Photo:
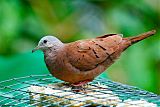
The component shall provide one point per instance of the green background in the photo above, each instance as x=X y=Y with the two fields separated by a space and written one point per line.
x=24 y=22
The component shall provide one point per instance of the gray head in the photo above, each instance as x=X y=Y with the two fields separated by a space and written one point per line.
x=48 y=42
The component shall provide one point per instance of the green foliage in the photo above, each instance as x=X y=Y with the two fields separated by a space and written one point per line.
x=24 y=22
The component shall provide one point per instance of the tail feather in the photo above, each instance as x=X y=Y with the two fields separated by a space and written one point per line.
x=141 y=36
x=127 y=42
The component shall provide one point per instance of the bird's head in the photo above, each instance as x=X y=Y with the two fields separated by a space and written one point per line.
x=48 y=42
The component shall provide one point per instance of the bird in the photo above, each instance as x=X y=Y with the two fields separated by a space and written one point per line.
x=81 y=61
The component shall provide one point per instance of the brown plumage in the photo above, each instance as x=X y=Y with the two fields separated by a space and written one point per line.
x=81 y=61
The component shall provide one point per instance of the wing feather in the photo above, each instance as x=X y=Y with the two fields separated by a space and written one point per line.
x=88 y=54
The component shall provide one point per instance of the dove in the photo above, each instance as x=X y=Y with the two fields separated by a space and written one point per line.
x=81 y=61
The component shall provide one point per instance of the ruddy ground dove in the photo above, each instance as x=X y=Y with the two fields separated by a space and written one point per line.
x=81 y=61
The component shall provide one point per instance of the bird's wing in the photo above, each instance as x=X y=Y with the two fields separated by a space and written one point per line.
x=88 y=54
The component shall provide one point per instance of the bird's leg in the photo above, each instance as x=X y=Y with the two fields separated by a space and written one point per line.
x=81 y=83
x=79 y=86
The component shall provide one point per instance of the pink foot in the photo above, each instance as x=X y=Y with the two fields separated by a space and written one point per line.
x=81 y=83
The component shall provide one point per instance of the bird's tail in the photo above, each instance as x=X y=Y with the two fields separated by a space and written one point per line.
x=131 y=40
x=141 y=36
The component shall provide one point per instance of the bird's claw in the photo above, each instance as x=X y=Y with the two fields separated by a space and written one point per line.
x=79 y=89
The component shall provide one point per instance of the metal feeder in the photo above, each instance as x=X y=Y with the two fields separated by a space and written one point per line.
x=46 y=91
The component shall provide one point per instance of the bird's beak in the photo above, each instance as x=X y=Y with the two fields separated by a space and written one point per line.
x=35 y=49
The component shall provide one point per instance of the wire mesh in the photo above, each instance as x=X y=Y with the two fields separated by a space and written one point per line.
x=16 y=92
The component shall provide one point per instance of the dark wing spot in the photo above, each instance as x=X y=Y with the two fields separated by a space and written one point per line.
x=101 y=47
x=95 y=53
x=107 y=53
x=93 y=41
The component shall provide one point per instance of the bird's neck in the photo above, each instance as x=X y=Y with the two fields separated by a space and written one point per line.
x=52 y=51
x=50 y=56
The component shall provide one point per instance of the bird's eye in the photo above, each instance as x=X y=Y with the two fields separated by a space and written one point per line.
x=45 y=41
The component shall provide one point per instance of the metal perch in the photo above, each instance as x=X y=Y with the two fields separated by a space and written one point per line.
x=45 y=90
